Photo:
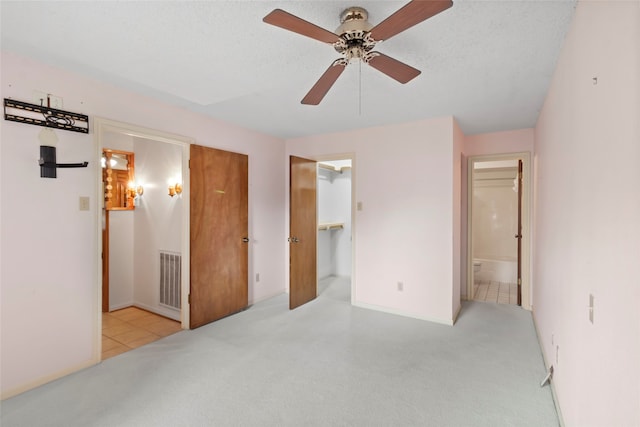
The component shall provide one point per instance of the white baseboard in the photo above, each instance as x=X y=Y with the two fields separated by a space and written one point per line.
x=402 y=313
x=171 y=314
x=120 y=306
x=457 y=313
x=47 y=379
x=554 y=395
x=268 y=296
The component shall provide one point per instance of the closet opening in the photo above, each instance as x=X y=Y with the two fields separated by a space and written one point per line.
x=334 y=240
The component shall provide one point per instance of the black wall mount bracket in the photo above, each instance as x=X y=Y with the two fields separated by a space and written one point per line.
x=48 y=165
x=23 y=112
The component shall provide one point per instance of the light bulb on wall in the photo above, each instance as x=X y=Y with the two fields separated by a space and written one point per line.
x=175 y=189
x=134 y=191
x=103 y=162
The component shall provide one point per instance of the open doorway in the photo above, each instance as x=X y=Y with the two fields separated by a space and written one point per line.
x=335 y=229
x=498 y=255
x=145 y=243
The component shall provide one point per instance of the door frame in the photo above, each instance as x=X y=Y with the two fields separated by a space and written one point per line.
x=526 y=220
x=333 y=157
x=101 y=126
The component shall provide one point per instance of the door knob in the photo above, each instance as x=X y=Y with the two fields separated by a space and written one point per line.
x=245 y=239
x=293 y=240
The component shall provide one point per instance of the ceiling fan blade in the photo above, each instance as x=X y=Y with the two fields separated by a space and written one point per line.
x=393 y=68
x=322 y=86
x=282 y=19
x=407 y=16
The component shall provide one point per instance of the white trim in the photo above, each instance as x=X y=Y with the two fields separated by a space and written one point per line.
x=268 y=296
x=100 y=126
x=121 y=306
x=169 y=313
x=456 y=314
x=48 y=378
x=552 y=384
x=374 y=307
x=526 y=221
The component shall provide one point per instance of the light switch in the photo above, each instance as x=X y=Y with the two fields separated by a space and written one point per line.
x=84 y=203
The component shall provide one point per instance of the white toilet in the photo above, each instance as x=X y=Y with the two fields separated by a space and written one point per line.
x=477 y=266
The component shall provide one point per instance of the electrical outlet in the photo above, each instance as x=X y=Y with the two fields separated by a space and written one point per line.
x=400 y=286
x=557 y=351
x=359 y=206
x=84 y=203
x=257 y=277
x=591 y=308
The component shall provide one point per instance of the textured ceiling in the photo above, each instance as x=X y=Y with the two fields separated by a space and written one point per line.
x=488 y=63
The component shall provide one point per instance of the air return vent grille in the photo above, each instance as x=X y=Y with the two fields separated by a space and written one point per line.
x=170 y=274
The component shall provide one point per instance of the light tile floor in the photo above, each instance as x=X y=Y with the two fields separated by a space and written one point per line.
x=131 y=327
x=491 y=291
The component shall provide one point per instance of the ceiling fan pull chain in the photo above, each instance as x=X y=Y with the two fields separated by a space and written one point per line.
x=359 y=88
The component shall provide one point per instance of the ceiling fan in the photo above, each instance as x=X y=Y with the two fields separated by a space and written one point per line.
x=355 y=39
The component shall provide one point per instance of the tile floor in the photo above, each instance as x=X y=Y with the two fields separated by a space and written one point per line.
x=131 y=327
x=491 y=291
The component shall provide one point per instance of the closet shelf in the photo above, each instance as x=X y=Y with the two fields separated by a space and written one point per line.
x=333 y=168
x=330 y=225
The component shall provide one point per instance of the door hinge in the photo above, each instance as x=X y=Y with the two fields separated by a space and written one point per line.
x=189 y=298
x=519 y=282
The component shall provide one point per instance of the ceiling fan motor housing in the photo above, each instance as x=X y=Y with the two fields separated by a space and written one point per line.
x=355 y=41
x=354 y=19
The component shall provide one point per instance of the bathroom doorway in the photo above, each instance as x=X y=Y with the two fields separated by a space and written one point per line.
x=335 y=215
x=154 y=222
x=498 y=250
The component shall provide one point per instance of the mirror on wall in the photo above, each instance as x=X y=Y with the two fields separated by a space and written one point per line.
x=118 y=176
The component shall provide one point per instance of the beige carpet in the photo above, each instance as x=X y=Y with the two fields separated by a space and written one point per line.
x=324 y=364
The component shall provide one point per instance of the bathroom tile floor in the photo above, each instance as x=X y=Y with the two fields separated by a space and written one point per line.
x=499 y=292
x=131 y=327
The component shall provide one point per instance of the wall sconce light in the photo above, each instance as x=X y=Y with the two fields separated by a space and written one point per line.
x=175 y=189
x=134 y=191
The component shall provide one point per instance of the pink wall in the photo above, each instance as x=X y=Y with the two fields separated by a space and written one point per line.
x=587 y=218
x=511 y=141
x=49 y=248
x=404 y=178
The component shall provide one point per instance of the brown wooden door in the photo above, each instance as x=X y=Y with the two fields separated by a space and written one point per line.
x=303 y=231
x=519 y=235
x=219 y=234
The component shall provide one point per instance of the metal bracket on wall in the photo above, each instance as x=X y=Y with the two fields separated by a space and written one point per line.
x=48 y=165
x=23 y=112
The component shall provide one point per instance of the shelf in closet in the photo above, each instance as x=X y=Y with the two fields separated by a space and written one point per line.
x=330 y=225
x=333 y=168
